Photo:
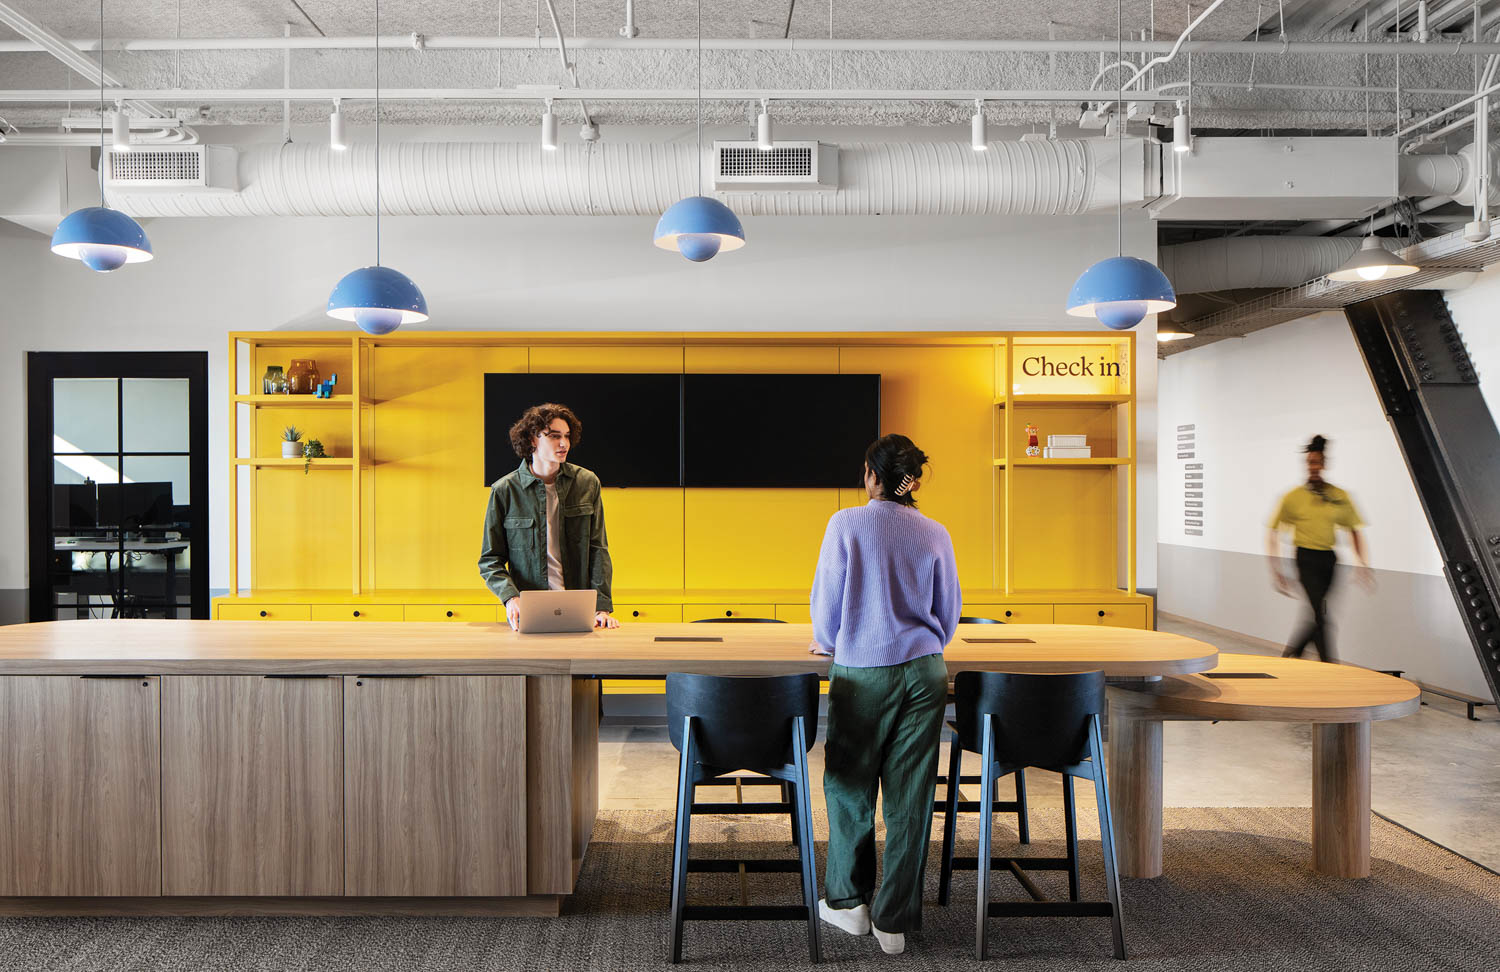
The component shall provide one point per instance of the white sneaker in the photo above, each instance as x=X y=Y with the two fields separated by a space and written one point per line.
x=891 y=943
x=855 y=921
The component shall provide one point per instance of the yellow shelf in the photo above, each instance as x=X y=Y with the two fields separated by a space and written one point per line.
x=288 y=463
x=296 y=401
x=1068 y=462
x=1065 y=401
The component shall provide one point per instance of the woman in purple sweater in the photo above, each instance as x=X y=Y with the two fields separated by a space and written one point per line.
x=885 y=601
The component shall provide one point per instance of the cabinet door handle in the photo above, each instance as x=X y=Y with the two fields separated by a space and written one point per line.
x=262 y=614
x=728 y=614
x=118 y=678
x=1007 y=614
x=295 y=675
x=360 y=679
x=450 y=614
x=356 y=614
x=635 y=614
x=1101 y=614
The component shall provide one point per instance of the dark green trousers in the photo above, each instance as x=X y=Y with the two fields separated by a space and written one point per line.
x=884 y=725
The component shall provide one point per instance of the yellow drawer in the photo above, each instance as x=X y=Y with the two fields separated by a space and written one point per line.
x=659 y=613
x=793 y=613
x=264 y=612
x=450 y=612
x=357 y=612
x=633 y=686
x=697 y=612
x=1011 y=613
x=1112 y=615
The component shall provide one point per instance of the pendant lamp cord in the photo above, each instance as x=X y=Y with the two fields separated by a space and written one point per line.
x=700 y=97
x=377 y=133
x=101 y=103
x=1119 y=138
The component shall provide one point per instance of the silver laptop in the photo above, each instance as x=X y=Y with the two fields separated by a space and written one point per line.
x=552 y=611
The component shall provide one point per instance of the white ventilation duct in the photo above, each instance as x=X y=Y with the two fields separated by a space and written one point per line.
x=1035 y=177
x=1232 y=263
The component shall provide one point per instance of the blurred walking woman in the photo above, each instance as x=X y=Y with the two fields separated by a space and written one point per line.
x=885 y=601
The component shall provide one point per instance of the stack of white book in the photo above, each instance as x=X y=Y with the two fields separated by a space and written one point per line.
x=1067 y=447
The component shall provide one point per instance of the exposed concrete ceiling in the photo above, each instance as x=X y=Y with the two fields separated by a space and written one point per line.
x=1232 y=90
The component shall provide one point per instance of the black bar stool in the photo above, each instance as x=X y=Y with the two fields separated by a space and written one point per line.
x=1016 y=806
x=1047 y=721
x=722 y=724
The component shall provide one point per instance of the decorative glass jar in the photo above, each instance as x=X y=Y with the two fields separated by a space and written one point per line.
x=302 y=376
x=274 y=382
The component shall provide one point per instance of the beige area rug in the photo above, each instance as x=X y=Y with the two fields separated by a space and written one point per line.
x=1238 y=894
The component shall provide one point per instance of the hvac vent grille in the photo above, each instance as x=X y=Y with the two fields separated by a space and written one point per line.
x=156 y=165
x=789 y=161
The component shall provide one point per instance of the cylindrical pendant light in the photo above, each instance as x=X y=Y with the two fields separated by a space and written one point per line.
x=979 y=138
x=119 y=123
x=763 y=136
x=1182 y=134
x=549 y=128
x=336 y=138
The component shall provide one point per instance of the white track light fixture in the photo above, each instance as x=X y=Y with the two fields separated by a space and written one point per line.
x=1182 y=133
x=549 y=128
x=979 y=137
x=120 y=123
x=763 y=136
x=336 y=139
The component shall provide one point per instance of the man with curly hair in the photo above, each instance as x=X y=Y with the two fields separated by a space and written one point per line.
x=544 y=529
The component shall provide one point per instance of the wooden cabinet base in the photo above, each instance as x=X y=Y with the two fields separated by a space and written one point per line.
x=530 y=906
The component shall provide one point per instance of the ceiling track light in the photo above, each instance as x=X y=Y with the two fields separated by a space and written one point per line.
x=1168 y=331
x=1182 y=133
x=119 y=123
x=979 y=137
x=336 y=138
x=549 y=128
x=763 y=137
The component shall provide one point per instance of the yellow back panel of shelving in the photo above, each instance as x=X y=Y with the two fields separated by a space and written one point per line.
x=1062 y=524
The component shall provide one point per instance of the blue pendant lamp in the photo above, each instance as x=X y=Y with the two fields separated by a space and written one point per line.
x=1121 y=290
x=378 y=299
x=699 y=227
x=104 y=239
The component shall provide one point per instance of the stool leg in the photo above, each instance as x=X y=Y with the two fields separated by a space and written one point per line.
x=1023 y=823
x=788 y=796
x=1070 y=816
x=1107 y=837
x=680 y=840
x=950 y=820
x=986 y=822
x=802 y=822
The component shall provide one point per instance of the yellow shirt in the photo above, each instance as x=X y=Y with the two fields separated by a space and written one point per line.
x=1313 y=517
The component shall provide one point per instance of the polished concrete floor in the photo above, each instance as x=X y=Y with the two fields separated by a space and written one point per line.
x=1434 y=772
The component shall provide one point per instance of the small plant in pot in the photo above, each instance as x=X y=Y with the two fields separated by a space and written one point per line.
x=291 y=442
x=312 y=449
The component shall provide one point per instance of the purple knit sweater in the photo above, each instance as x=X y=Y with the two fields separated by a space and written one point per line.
x=886 y=590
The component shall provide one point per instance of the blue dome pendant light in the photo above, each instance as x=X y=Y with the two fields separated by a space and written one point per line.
x=699 y=227
x=378 y=299
x=104 y=239
x=1121 y=290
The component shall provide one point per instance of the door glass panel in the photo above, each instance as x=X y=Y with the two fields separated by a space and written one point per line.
x=85 y=414
x=155 y=415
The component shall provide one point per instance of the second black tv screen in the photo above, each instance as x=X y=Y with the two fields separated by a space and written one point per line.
x=770 y=431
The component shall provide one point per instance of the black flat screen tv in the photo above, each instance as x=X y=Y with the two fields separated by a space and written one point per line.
x=778 y=431
x=632 y=424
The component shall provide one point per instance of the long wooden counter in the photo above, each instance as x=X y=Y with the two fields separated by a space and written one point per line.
x=196 y=767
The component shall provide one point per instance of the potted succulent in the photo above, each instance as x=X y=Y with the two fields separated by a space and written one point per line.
x=291 y=442
x=311 y=449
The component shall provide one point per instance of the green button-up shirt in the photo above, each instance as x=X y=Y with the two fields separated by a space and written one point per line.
x=514 y=556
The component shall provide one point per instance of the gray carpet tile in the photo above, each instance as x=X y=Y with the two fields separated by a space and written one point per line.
x=1238 y=895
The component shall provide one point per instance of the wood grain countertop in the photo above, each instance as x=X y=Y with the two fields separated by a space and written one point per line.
x=127 y=647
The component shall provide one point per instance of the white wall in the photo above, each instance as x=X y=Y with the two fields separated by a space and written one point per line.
x=582 y=273
x=1255 y=403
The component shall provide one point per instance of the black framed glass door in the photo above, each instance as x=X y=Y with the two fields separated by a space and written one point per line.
x=118 y=484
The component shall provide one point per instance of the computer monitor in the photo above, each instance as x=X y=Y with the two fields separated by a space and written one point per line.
x=75 y=507
x=132 y=506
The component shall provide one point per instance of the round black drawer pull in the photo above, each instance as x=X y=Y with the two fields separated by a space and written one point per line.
x=728 y=614
x=1007 y=614
x=1101 y=614
x=450 y=614
x=635 y=614
x=262 y=614
x=356 y=614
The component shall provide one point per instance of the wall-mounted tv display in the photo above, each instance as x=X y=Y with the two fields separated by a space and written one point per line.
x=768 y=431
x=632 y=424
x=745 y=431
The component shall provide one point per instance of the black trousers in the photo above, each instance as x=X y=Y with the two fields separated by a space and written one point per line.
x=1315 y=571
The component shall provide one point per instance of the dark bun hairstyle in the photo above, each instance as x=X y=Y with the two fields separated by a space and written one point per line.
x=536 y=420
x=892 y=458
x=1316 y=444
